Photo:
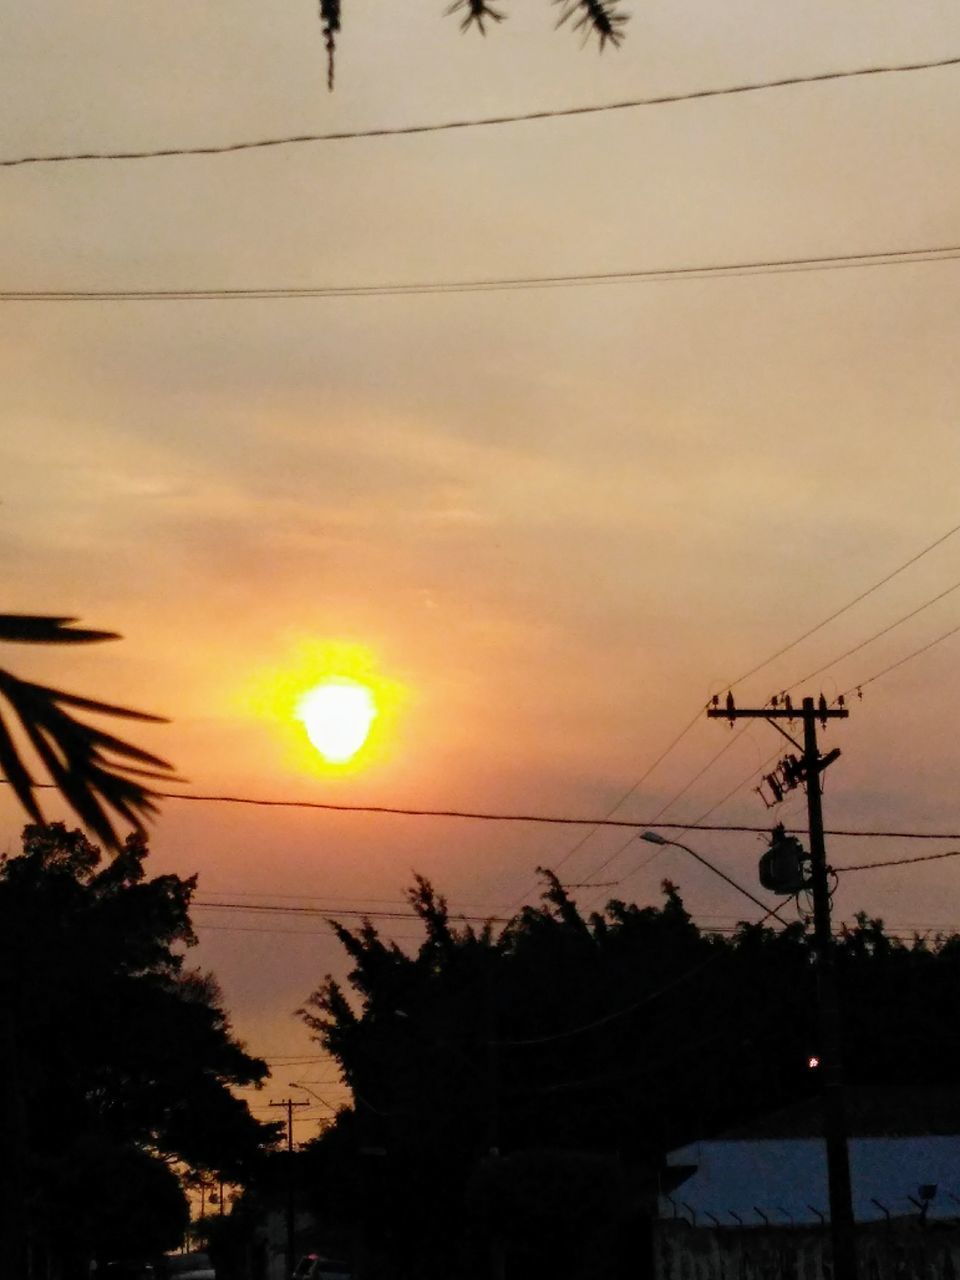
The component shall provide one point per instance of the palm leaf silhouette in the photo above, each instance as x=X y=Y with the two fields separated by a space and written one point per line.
x=93 y=770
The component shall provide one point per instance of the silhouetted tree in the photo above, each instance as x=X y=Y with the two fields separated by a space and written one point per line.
x=89 y=767
x=587 y=1048
x=114 y=1056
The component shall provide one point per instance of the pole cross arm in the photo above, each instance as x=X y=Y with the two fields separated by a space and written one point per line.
x=774 y=713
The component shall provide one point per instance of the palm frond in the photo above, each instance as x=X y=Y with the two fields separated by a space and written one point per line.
x=17 y=773
x=601 y=18
x=476 y=13
x=29 y=628
x=92 y=769
x=330 y=17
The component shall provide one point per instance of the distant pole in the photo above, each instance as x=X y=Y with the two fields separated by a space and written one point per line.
x=15 y=1221
x=289 y=1104
x=831 y=1054
x=494 y=1245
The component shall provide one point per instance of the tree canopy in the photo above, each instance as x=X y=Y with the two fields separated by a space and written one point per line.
x=581 y=1050
x=116 y=1059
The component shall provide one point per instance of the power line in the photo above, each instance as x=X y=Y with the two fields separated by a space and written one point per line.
x=856 y=688
x=496 y=284
x=477 y=815
x=281 y=1058
x=408 y=915
x=700 y=825
x=876 y=635
x=723 y=927
x=393 y=131
x=636 y=1004
x=331 y=897
x=391 y=915
x=294 y=933
x=915 y=835
x=655 y=820
x=353 y=912
x=619 y=804
x=731 y=741
x=882 y=582
x=901 y=862
x=888 y=577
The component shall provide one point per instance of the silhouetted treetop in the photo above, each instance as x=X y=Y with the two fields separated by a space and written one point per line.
x=120 y=1054
x=584 y=1049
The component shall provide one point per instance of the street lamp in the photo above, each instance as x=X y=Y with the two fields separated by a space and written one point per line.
x=654 y=837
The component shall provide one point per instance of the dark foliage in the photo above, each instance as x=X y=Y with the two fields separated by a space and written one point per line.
x=113 y=1055
x=330 y=17
x=90 y=767
x=476 y=13
x=581 y=1050
x=601 y=18
x=109 y=1199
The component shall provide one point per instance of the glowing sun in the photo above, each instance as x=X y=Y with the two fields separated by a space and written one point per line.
x=338 y=715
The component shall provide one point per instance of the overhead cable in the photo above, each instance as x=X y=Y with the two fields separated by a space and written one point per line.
x=857 y=688
x=901 y=862
x=876 y=636
x=480 y=122
x=340 y=911
x=637 y=1004
x=915 y=835
x=497 y=284
x=882 y=582
x=833 y=662
x=676 y=826
x=621 y=802
x=888 y=577
x=479 y=815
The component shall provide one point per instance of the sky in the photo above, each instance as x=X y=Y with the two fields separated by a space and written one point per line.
x=551 y=522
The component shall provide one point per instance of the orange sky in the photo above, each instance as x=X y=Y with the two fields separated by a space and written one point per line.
x=558 y=519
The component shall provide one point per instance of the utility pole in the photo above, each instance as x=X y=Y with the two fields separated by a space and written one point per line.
x=289 y=1104
x=807 y=769
x=496 y=1258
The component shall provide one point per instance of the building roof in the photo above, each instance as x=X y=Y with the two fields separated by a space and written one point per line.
x=776 y=1168
x=871 y=1112
x=785 y=1180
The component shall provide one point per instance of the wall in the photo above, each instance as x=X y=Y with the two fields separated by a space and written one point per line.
x=902 y=1249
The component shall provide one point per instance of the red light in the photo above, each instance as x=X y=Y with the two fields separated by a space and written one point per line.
x=813 y=1062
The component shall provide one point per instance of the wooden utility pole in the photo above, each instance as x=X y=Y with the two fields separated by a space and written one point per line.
x=496 y=1260
x=289 y=1104
x=808 y=769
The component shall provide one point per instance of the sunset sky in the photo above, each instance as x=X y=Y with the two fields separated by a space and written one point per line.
x=552 y=521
